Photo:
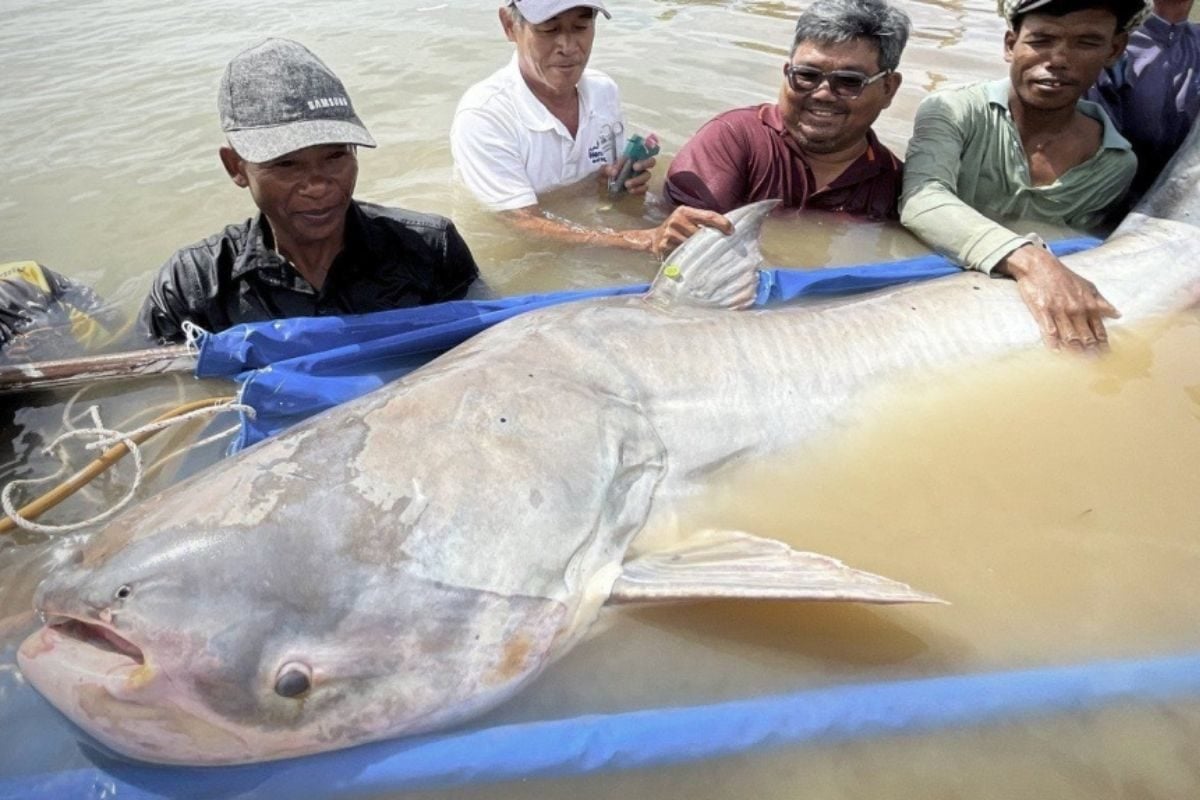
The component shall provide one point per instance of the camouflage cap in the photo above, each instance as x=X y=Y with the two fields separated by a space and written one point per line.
x=1013 y=8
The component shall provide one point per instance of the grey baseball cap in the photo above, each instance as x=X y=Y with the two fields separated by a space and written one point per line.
x=538 y=11
x=277 y=97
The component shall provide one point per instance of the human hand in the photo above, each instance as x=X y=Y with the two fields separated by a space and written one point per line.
x=639 y=182
x=639 y=177
x=683 y=222
x=1068 y=308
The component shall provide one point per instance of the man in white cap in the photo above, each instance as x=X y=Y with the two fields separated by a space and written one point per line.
x=312 y=250
x=546 y=121
x=1027 y=147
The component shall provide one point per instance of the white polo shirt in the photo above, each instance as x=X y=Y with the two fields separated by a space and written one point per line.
x=508 y=148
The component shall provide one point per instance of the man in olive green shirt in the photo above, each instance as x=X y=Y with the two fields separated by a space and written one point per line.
x=1028 y=148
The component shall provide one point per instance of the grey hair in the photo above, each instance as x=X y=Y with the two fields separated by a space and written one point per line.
x=838 y=21
x=514 y=14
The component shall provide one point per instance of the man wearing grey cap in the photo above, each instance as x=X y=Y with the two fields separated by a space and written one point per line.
x=312 y=250
x=546 y=121
x=1028 y=148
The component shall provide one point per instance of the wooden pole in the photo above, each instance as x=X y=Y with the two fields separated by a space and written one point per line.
x=39 y=375
x=106 y=459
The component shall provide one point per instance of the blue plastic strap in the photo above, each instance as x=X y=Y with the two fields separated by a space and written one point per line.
x=649 y=738
x=781 y=285
x=291 y=369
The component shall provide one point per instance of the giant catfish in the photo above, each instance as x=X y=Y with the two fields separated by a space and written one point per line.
x=415 y=557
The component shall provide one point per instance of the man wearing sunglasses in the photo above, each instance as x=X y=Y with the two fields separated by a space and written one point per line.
x=1027 y=147
x=814 y=148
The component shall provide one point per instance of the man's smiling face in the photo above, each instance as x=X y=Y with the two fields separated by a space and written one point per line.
x=1053 y=61
x=819 y=120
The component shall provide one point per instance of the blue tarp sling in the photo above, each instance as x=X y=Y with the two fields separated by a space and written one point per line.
x=290 y=369
x=641 y=739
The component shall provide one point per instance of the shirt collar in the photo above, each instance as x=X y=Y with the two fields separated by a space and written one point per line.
x=258 y=252
x=533 y=114
x=1160 y=30
x=997 y=95
x=260 y=255
x=997 y=92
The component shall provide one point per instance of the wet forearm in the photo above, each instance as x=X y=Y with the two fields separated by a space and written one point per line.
x=533 y=222
x=950 y=226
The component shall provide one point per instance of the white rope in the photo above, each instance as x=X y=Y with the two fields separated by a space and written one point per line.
x=191 y=336
x=106 y=437
x=30 y=525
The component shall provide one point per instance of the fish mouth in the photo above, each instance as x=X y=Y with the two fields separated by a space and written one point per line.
x=95 y=635
x=84 y=646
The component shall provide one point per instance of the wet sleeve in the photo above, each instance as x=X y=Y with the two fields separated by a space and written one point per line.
x=487 y=160
x=710 y=170
x=929 y=204
x=459 y=270
x=166 y=306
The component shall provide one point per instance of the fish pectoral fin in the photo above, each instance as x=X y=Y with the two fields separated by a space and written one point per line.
x=735 y=564
x=712 y=270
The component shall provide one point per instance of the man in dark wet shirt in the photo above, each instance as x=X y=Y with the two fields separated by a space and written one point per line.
x=312 y=250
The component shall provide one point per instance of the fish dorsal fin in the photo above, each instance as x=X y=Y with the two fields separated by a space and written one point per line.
x=735 y=564
x=713 y=270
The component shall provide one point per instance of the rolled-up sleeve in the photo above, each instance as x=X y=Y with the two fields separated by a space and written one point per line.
x=929 y=204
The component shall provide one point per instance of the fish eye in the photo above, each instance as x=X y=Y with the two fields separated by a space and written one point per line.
x=294 y=679
x=123 y=591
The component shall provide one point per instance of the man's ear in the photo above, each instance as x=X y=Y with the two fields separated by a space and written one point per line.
x=506 y=22
x=1119 y=42
x=235 y=167
x=1010 y=41
x=891 y=85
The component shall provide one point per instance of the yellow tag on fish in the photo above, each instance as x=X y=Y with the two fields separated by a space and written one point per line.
x=139 y=677
x=673 y=272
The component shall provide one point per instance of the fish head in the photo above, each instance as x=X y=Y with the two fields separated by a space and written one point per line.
x=217 y=646
x=407 y=561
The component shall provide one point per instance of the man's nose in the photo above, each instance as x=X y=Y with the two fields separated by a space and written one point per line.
x=567 y=42
x=1060 y=56
x=824 y=89
x=316 y=182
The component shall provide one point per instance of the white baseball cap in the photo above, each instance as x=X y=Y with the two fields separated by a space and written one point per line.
x=538 y=11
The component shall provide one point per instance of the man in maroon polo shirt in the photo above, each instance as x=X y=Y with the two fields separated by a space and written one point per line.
x=815 y=147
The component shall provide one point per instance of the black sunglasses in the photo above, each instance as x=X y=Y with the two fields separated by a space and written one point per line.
x=846 y=84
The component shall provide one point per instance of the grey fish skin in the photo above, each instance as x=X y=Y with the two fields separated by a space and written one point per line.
x=418 y=555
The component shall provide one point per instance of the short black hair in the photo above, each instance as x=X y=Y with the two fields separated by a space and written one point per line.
x=1123 y=10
